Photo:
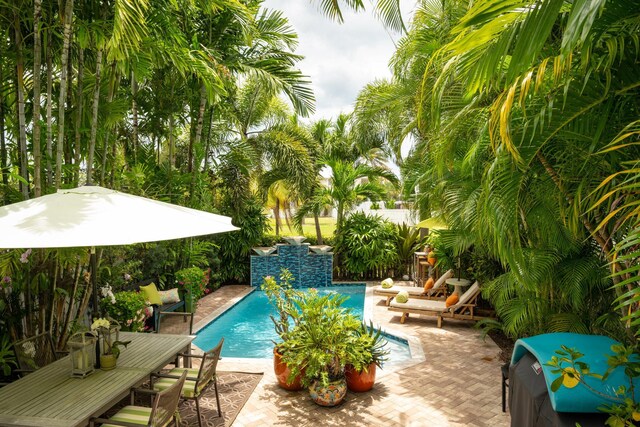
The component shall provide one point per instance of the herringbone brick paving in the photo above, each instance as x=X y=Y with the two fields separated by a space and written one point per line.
x=457 y=383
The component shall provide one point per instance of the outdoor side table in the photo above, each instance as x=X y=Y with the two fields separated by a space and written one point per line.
x=458 y=284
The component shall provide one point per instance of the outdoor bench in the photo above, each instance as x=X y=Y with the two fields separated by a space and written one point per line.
x=157 y=309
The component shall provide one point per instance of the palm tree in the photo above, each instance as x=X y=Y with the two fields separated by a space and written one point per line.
x=351 y=184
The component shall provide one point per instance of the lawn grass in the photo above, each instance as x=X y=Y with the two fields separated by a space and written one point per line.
x=327 y=227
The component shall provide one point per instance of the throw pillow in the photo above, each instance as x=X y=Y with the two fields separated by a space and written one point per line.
x=169 y=296
x=429 y=284
x=151 y=294
x=452 y=300
x=387 y=283
x=402 y=297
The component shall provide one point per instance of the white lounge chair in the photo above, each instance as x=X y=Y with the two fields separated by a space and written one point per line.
x=438 y=290
x=463 y=309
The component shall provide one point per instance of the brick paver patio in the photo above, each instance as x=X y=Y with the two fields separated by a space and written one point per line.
x=456 y=383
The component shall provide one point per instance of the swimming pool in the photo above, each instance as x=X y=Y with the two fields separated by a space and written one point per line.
x=249 y=333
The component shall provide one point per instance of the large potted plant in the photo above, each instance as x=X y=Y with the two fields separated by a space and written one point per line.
x=280 y=296
x=320 y=345
x=192 y=281
x=369 y=351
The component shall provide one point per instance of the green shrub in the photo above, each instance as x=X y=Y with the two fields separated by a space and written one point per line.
x=408 y=241
x=128 y=309
x=193 y=280
x=235 y=247
x=366 y=246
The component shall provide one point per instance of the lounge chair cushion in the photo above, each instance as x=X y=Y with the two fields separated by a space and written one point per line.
x=189 y=385
x=387 y=283
x=151 y=294
x=421 y=304
x=429 y=284
x=131 y=414
x=452 y=300
x=402 y=297
x=411 y=290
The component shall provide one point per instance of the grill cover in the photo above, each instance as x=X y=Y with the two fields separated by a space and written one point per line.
x=529 y=402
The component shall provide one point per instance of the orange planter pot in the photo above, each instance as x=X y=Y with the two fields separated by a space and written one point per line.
x=282 y=373
x=360 y=381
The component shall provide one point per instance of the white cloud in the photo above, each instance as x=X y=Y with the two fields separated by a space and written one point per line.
x=340 y=59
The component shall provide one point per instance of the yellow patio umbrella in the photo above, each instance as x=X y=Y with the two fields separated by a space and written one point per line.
x=432 y=223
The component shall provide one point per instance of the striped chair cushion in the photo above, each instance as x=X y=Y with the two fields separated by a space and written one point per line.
x=189 y=386
x=131 y=414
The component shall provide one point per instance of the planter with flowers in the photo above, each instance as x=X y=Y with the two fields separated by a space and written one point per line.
x=192 y=282
x=108 y=334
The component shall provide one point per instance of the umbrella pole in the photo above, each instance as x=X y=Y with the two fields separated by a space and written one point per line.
x=93 y=266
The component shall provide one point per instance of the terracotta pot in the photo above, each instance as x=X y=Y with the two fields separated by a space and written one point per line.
x=107 y=362
x=331 y=395
x=282 y=373
x=360 y=381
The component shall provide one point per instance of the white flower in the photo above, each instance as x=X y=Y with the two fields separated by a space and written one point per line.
x=108 y=293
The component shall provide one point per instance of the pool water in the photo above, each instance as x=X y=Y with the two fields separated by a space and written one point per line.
x=249 y=333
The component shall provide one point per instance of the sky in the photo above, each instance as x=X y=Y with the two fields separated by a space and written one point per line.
x=340 y=59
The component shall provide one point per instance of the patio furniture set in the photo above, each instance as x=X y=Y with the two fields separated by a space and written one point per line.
x=50 y=396
x=432 y=300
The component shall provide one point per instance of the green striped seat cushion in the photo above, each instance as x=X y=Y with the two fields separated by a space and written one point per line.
x=189 y=386
x=131 y=414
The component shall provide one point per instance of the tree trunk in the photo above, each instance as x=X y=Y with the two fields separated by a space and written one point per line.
x=134 y=112
x=3 y=143
x=68 y=18
x=198 y=137
x=49 y=144
x=114 y=82
x=316 y=219
x=94 y=119
x=22 y=125
x=276 y=216
x=80 y=104
x=171 y=159
x=37 y=65
x=207 y=146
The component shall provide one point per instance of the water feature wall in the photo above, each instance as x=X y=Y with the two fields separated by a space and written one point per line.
x=309 y=270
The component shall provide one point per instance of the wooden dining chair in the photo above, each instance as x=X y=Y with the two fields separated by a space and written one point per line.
x=35 y=352
x=177 y=323
x=198 y=379
x=163 y=410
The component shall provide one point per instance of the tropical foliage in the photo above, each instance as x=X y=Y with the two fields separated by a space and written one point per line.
x=366 y=246
x=524 y=119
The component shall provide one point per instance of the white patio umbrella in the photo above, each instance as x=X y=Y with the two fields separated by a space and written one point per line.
x=94 y=216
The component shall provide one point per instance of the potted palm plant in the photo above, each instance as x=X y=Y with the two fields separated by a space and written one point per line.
x=320 y=345
x=369 y=352
x=280 y=296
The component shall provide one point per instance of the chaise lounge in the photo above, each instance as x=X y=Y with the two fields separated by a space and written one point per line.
x=463 y=309
x=418 y=292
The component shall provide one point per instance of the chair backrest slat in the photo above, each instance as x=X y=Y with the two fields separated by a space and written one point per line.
x=473 y=291
x=174 y=322
x=209 y=364
x=166 y=403
x=440 y=282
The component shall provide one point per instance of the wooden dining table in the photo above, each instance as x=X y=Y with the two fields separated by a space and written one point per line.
x=51 y=397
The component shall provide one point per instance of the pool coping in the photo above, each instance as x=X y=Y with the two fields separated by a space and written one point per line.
x=415 y=346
